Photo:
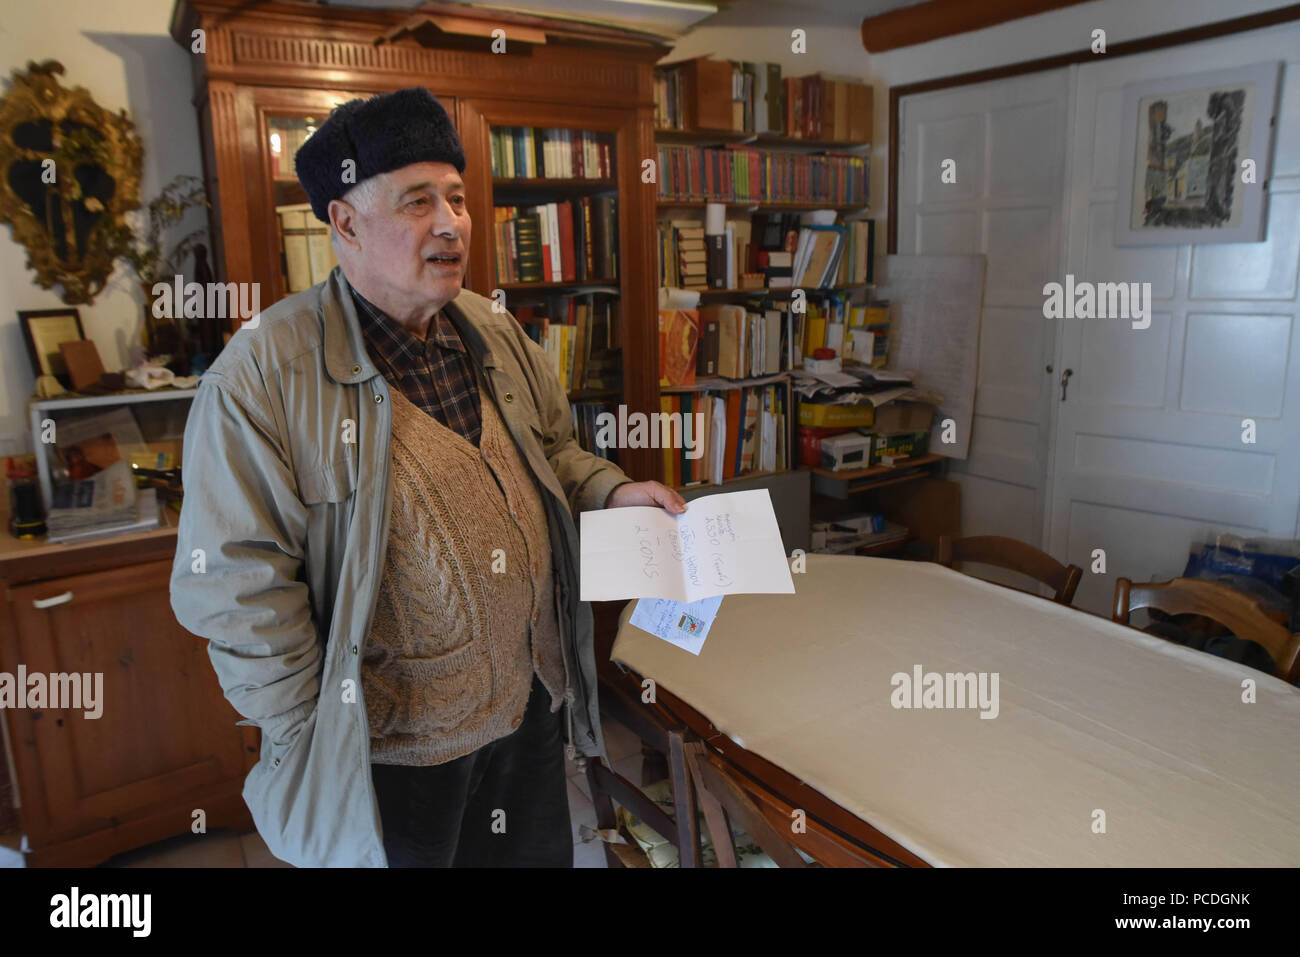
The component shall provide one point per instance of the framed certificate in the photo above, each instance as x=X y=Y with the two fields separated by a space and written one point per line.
x=43 y=331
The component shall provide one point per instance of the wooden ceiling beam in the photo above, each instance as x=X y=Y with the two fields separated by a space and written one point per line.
x=936 y=19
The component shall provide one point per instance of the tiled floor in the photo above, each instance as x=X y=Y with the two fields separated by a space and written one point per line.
x=222 y=848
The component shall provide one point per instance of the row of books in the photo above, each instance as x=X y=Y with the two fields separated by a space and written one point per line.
x=787 y=255
x=307 y=256
x=734 y=341
x=749 y=97
x=745 y=430
x=570 y=241
x=528 y=152
x=580 y=334
x=748 y=174
x=728 y=341
x=834 y=255
x=684 y=256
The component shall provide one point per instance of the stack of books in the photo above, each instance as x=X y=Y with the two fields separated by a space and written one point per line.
x=568 y=241
x=683 y=259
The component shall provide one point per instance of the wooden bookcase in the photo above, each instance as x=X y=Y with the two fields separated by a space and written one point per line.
x=707 y=86
x=279 y=67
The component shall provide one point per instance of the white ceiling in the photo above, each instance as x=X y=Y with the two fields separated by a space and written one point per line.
x=674 y=17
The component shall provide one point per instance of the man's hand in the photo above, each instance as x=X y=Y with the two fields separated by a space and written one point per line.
x=646 y=493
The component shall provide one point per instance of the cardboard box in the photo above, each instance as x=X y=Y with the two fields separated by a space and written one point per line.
x=902 y=417
x=899 y=445
x=835 y=416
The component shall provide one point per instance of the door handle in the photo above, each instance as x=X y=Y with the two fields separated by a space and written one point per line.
x=1065 y=382
x=51 y=602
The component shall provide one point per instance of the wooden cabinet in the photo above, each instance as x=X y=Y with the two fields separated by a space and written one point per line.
x=165 y=743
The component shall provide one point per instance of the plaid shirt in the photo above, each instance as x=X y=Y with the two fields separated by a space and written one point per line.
x=435 y=374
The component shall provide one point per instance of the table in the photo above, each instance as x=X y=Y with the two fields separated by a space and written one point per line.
x=1109 y=747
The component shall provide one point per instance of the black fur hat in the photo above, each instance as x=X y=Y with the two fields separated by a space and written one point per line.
x=383 y=133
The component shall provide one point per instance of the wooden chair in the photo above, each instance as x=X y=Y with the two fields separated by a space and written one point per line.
x=1241 y=614
x=1016 y=556
x=722 y=801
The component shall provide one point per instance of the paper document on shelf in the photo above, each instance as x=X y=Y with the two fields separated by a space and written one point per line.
x=684 y=624
x=887 y=395
x=836 y=379
x=884 y=375
x=727 y=544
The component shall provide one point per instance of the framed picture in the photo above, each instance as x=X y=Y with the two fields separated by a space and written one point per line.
x=43 y=330
x=1194 y=157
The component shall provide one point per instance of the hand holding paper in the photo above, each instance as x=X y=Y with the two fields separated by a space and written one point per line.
x=725 y=544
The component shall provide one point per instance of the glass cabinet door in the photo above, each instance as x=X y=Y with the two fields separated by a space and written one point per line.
x=305 y=252
x=555 y=242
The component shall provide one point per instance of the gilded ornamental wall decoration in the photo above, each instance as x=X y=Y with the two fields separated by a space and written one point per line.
x=70 y=169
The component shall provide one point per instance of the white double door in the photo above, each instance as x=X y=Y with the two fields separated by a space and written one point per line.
x=1141 y=453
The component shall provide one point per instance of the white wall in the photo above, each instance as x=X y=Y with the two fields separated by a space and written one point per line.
x=121 y=52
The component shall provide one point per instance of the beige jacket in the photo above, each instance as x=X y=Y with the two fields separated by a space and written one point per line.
x=287 y=494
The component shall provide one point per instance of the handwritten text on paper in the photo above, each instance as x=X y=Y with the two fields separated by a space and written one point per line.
x=723 y=544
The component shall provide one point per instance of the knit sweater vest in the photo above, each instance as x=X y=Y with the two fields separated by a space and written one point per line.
x=467 y=588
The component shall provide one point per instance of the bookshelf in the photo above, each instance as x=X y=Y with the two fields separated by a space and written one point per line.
x=562 y=248
x=721 y=139
x=762 y=405
x=254 y=111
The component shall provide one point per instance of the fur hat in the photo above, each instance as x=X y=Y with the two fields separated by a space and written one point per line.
x=383 y=133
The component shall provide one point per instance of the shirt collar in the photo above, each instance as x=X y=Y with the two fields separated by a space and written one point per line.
x=397 y=338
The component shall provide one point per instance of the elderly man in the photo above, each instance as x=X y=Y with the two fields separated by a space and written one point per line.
x=378 y=535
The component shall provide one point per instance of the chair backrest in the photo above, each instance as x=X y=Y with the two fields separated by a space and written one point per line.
x=1016 y=556
x=1241 y=614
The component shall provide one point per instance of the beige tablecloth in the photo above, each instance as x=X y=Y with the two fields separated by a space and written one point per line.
x=1092 y=717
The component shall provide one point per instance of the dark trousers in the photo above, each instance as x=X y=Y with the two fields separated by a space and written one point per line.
x=451 y=814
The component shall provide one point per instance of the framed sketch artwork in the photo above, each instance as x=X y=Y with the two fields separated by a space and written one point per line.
x=1194 y=157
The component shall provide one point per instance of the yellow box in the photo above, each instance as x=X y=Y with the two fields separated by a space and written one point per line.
x=835 y=416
